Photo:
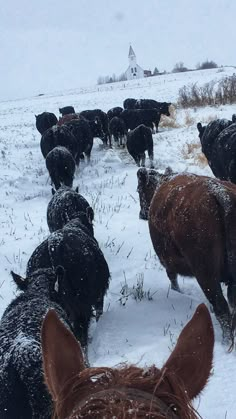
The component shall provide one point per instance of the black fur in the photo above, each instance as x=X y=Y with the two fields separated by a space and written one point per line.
x=92 y=115
x=61 y=166
x=162 y=107
x=135 y=117
x=59 y=135
x=23 y=394
x=84 y=131
x=45 y=120
x=129 y=103
x=117 y=129
x=138 y=141
x=66 y=110
x=64 y=206
x=87 y=272
x=218 y=141
x=114 y=112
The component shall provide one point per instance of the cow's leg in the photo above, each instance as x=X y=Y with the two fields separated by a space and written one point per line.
x=150 y=155
x=99 y=307
x=231 y=292
x=136 y=159
x=55 y=180
x=143 y=158
x=212 y=290
x=173 y=280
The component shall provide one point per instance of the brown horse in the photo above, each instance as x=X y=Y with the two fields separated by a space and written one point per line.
x=128 y=392
x=192 y=223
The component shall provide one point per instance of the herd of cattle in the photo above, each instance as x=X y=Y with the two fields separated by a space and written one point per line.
x=192 y=223
x=65 y=142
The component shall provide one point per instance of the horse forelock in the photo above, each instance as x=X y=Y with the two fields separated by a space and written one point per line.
x=128 y=392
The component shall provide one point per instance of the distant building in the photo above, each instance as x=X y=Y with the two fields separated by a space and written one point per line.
x=147 y=73
x=134 y=71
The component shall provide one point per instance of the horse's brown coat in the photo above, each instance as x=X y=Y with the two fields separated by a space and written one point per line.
x=128 y=392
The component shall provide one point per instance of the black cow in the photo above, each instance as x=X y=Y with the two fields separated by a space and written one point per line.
x=87 y=272
x=138 y=141
x=161 y=107
x=45 y=120
x=129 y=103
x=61 y=166
x=135 y=117
x=84 y=131
x=91 y=115
x=23 y=392
x=219 y=146
x=64 y=206
x=118 y=130
x=148 y=180
x=114 y=112
x=59 y=135
x=67 y=110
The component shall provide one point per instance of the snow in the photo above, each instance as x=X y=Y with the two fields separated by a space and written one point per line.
x=130 y=330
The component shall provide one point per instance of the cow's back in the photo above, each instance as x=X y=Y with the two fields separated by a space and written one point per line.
x=185 y=219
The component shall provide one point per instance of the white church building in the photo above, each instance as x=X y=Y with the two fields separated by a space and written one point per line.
x=134 y=71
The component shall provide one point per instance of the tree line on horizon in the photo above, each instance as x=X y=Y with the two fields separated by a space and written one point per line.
x=178 y=68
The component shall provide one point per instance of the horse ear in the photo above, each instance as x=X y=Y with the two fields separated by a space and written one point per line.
x=77 y=189
x=21 y=282
x=53 y=191
x=191 y=359
x=62 y=354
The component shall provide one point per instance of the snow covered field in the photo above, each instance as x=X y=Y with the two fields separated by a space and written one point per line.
x=142 y=332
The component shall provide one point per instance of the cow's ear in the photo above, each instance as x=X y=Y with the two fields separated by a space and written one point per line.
x=22 y=283
x=168 y=171
x=90 y=214
x=199 y=127
x=142 y=175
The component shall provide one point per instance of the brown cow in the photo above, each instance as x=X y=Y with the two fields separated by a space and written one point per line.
x=147 y=183
x=192 y=223
x=68 y=117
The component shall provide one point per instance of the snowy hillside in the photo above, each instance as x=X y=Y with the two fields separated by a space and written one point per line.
x=145 y=331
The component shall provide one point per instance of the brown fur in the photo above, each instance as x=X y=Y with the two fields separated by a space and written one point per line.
x=192 y=222
x=67 y=118
x=128 y=392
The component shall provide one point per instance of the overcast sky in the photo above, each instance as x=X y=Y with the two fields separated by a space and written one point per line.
x=49 y=45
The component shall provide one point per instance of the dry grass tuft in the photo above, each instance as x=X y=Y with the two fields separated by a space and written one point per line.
x=188 y=119
x=169 y=121
x=193 y=151
x=209 y=118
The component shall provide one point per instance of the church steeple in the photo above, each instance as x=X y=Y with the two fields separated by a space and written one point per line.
x=134 y=71
x=132 y=57
x=131 y=52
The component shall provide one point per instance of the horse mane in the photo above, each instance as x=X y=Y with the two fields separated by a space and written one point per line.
x=161 y=385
